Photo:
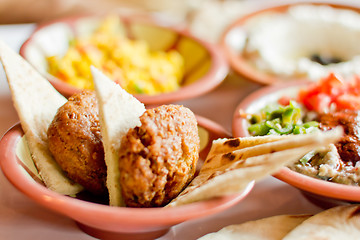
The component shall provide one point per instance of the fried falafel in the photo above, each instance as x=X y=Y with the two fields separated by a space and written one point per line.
x=75 y=142
x=158 y=159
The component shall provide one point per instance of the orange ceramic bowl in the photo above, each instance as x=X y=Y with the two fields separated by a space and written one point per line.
x=205 y=66
x=236 y=36
x=107 y=222
x=320 y=191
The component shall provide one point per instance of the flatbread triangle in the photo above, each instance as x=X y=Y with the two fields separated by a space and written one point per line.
x=225 y=145
x=36 y=102
x=119 y=111
x=270 y=228
x=229 y=173
x=341 y=222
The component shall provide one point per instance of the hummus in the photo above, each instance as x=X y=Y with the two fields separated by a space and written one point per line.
x=296 y=42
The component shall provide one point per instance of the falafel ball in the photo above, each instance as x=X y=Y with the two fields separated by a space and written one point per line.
x=158 y=159
x=76 y=144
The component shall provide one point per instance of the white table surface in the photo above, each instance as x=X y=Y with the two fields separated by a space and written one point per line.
x=21 y=218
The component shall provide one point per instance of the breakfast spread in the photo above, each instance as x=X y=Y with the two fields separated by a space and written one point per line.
x=102 y=145
x=150 y=155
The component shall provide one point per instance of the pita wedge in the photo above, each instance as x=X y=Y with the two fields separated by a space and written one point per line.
x=341 y=222
x=119 y=111
x=271 y=228
x=36 y=103
x=229 y=173
x=225 y=145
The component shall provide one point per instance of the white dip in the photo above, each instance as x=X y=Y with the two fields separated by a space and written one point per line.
x=282 y=44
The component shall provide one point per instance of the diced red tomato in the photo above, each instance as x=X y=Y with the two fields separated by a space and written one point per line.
x=284 y=100
x=332 y=85
x=332 y=89
x=355 y=86
x=318 y=102
x=348 y=101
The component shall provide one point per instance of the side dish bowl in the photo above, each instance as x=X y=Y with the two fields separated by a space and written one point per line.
x=320 y=191
x=107 y=222
x=277 y=43
x=205 y=67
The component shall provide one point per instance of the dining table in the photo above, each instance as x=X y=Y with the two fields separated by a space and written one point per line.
x=21 y=218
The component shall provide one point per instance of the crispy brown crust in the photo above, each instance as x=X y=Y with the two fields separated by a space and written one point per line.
x=75 y=142
x=158 y=159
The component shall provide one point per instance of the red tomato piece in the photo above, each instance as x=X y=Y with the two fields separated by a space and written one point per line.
x=332 y=85
x=284 y=100
x=305 y=93
x=348 y=101
x=354 y=87
x=318 y=102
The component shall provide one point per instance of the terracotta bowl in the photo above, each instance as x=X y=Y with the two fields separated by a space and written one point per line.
x=105 y=222
x=323 y=193
x=205 y=65
x=235 y=36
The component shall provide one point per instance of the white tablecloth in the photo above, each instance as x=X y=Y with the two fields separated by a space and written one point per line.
x=21 y=218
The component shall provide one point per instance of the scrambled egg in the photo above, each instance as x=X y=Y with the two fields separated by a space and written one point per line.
x=128 y=62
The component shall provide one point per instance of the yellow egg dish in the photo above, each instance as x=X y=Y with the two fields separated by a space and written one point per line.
x=131 y=63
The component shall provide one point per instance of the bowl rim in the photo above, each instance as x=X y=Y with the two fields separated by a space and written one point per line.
x=319 y=187
x=298 y=180
x=216 y=74
x=240 y=65
x=137 y=219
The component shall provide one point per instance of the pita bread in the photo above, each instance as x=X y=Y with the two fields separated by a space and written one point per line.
x=341 y=222
x=271 y=228
x=225 y=145
x=118 y=112
x=230 y=173
x=24 y=155
x=36 y=102
x=258 y=146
